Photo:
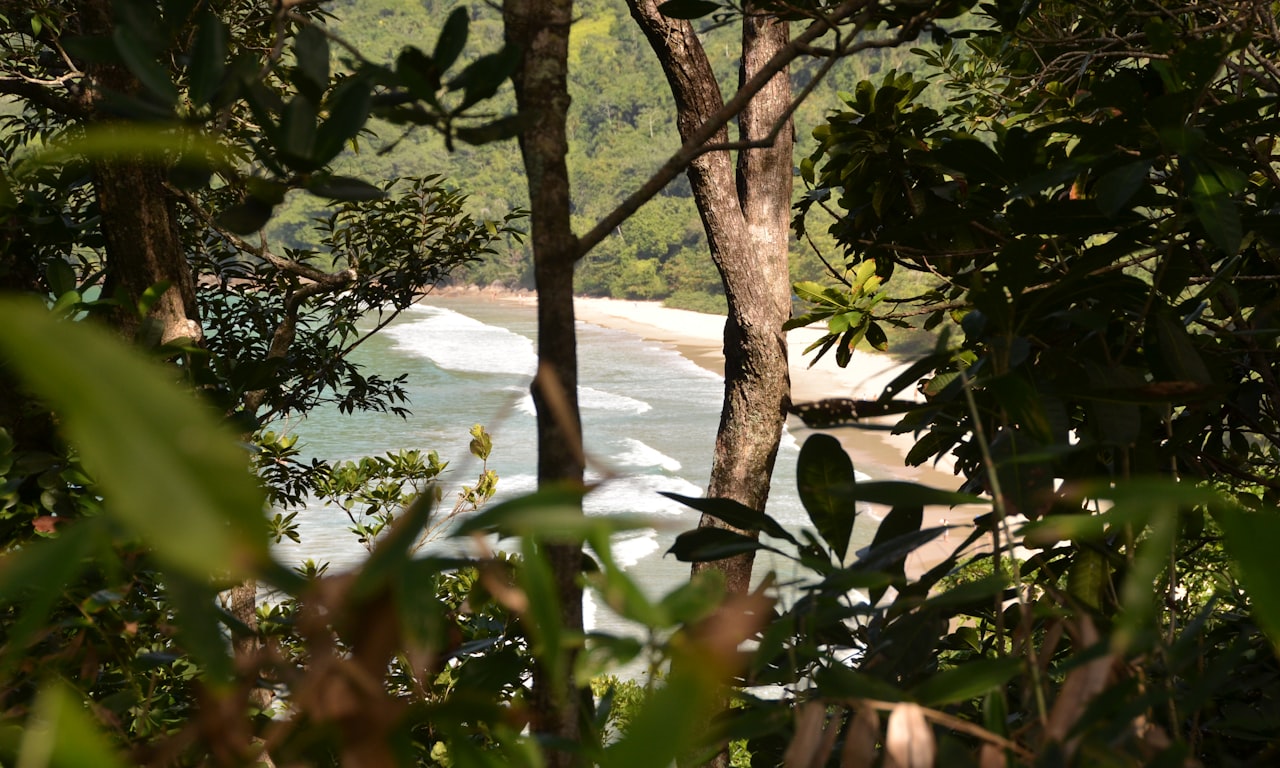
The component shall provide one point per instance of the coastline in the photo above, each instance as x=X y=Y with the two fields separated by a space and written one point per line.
x=699 y=338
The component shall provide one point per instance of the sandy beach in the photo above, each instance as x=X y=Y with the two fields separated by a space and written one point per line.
x=699 y=337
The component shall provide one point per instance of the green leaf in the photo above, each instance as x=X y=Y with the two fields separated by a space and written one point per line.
x=839 y=681
x=895 y=493
x=669 y=724
x=111 y=142
x=1211 y=201
x=348 y=106
x=35 y=573
x=169 y=472
x=199 y=627
x=687 y=9
x=311 y=53
x=823 y=468
x=61 y=734
x=550 y=513
x=705 y=544
x=208 y=60
x=343 y=188
x=247 y=217
x=1251 y=541
x=1119 y=185
x=969 y=680
x=298 y=131
x=150 y=296
x=482 y=77
x=453 y=38
x=876 y=336
x=142 y=62
x=1171 y=353
x=60 y=277
x=734 y=513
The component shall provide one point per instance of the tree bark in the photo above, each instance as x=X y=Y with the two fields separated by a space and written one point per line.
x=745 y=212
x=540 y=29
x=139 y=219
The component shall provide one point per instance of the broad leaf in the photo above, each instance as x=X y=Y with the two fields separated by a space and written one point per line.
x=966 y=681
x=61 y=734
x=687 y=9
x=706 y=544
x=1251 y=541
x=453 y=38
x=894 y=493
x=169 y=472
x=824 y=478
x=734 y=513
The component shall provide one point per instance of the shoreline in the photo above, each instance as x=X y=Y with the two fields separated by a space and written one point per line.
x=699 y=338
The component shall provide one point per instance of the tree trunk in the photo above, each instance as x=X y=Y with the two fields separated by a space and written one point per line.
x=540 y=29
x=745 y=212
x=139 y=220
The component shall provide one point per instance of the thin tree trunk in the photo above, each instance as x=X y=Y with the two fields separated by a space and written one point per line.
x=745 y=212
x=540 y=29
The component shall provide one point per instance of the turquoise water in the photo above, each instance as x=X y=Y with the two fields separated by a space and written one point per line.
x=649 y=422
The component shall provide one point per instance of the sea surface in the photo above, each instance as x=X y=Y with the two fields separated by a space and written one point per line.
x=649 y=423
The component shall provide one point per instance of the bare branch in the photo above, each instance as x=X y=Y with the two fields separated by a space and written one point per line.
x=696 y=144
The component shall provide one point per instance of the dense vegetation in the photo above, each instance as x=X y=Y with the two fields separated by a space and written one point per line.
x=622 y=128
x=1095 y=201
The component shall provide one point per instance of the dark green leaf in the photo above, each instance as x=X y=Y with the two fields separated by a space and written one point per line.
x=844 y=682
x=247 y=217
x=348 y=106
x=298 y=134
x=208 y=60
x=687 y=9
x=62 y=734
x=895 y=493
x=453 y=38
x=343 y=188
x=876 y=336
x=1212 y=203
x=734 y=513
x=482 y=77
x=199 y=626
x=169 y=471
x=311 y=53
x=35 y=572
x=969 y=680
x=1119 y=185
x=1251 y=541
x=144 y=65
x=824 y=478
x=60 y=277
x=705 y=544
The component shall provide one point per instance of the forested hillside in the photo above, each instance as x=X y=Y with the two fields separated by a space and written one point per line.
x=622 y=129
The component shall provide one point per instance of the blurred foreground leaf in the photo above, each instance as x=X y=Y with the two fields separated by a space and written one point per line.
x=169 y=473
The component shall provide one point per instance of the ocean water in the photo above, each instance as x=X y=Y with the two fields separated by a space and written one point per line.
x=649 y=421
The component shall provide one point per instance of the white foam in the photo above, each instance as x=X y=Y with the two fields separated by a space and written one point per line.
x=639 y=494
x=590 y=398
x=456 y=342
x=632 y=549
x=636 y=453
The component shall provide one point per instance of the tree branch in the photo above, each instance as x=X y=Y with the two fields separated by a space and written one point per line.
x=696 y=144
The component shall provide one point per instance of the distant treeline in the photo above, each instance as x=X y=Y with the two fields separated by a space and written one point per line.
x=622 y=127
